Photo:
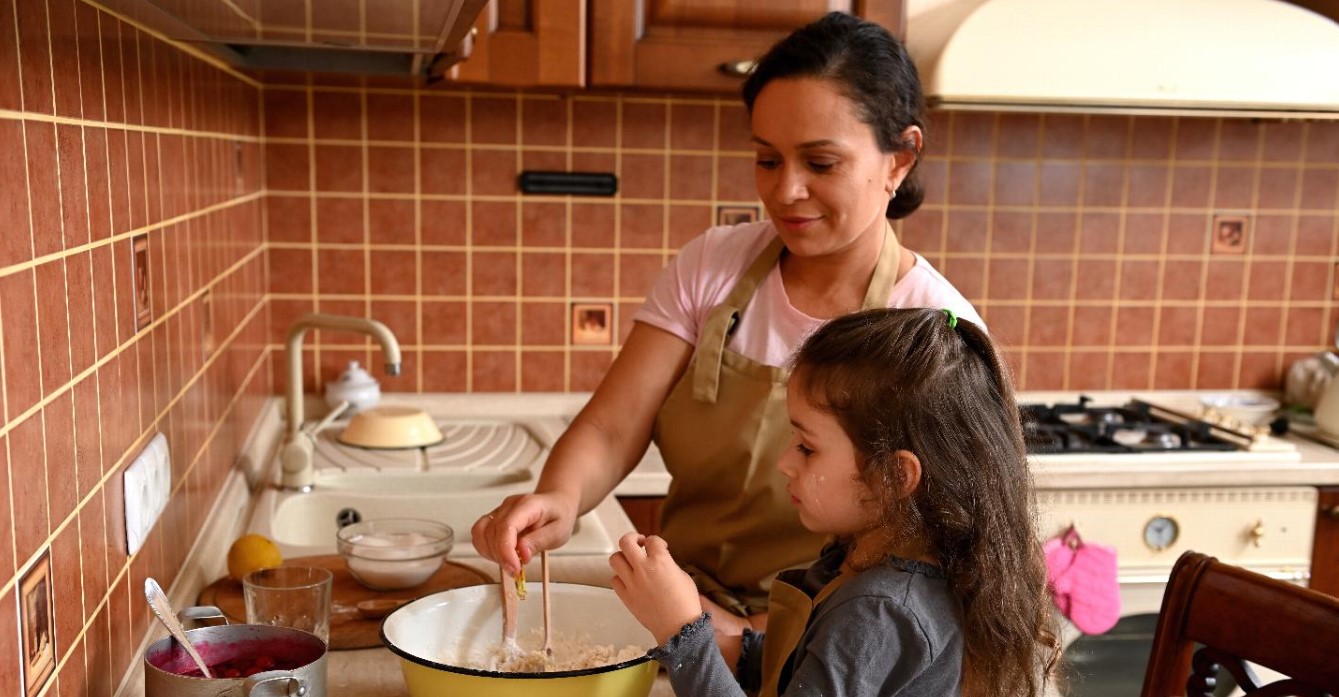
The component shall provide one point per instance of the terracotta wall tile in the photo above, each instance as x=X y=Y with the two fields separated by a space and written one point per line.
x=592 y=275
x=1317 y=235
x=544 y=121
x=1051 y=278
x=1107 y=137
x=1091 y=325
x=541 y=371
x=1089 y=370
x=1062 y=136
x=1195 y=139
x=393 y=272
x=587 y=368
x=390 y=170
x=494 y=274
x=544 y=324
x=6 y=544
x=687 y=222
x=1172 y=370
x=543 y=274
x=1322 y=143
x=493 y=172
x=16 y=245
x=444 y=273
x=442 y=118
x=493 y=119
x=444 y=222
x=594 y=123
x=391 y=221
x=339 y=220
x=1015 y=183
x=1041 y=370
x=445 y=371
x=443 y=171
x=493 y=371
x=27 y=472
x=338 y=168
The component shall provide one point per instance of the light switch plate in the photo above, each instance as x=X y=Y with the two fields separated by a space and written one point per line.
x=147 y=484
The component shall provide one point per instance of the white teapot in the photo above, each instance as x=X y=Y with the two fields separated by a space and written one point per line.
x=355 y=386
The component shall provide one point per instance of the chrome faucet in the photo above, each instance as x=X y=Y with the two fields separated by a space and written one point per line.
x=295 y=458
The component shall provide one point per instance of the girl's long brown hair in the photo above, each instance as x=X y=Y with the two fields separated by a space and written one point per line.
x=904 y=379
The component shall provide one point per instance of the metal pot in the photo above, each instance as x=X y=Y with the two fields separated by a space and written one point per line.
x=165 y=661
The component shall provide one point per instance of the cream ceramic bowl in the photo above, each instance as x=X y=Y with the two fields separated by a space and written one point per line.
x=391 y=427
x=1255 y=410
x=437 y=634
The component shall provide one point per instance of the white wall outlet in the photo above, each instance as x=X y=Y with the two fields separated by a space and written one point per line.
x=148 y=484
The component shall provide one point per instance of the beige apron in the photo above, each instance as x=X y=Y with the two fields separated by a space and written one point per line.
x=788 y=611
x=727 y=516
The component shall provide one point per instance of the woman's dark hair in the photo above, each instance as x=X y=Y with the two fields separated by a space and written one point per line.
x=904 y=379
x=872 y=69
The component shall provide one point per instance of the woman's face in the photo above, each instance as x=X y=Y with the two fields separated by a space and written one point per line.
x=819 y=169
x=820 y=464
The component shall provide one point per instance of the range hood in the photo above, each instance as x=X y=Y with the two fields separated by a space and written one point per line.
x=419 y=38
x=1251 y=58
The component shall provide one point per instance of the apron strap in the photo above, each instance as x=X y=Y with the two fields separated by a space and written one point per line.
x=723 y=318
x=885 y=271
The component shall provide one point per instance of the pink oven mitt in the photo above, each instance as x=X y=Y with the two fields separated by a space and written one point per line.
x=1083 y=582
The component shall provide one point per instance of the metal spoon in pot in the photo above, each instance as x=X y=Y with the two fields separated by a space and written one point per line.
x=163 y=609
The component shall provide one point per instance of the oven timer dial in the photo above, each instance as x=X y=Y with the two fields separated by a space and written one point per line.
x=1160 y=532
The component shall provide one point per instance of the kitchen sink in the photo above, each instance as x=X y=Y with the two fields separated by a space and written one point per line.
x=303 y=524
x=479 y=462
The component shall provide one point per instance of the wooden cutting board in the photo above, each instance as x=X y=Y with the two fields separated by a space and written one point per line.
x=349 y=629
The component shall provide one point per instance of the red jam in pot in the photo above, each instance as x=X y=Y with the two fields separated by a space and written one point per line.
x=245 y=667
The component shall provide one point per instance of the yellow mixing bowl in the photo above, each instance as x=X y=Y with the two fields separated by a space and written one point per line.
x=435 y=635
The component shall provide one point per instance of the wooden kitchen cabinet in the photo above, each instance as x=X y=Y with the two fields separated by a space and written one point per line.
x=644 y=512
x=1325 y=546
x=682 y=44
x=527 y=43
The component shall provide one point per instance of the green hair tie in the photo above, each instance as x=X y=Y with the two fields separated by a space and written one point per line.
x=952 y=318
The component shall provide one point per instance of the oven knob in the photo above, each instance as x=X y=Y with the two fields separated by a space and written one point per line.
x=1258 y=532
x=1160 y=532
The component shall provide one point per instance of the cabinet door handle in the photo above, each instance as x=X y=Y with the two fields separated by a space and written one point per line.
x=737 y=68
x=1331 y=512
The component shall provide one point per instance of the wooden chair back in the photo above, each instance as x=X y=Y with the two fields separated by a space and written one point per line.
x=1215 y=614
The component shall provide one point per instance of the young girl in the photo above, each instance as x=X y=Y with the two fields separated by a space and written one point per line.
x=907 y=450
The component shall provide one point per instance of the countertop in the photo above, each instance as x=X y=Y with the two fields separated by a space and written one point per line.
x=369 y=672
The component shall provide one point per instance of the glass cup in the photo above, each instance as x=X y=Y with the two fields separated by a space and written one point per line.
x=290 y=596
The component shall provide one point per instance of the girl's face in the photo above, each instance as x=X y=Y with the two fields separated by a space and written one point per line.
x=820 y=463
x=819 y=170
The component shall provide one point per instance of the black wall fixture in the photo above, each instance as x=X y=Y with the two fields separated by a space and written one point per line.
x=573 y=183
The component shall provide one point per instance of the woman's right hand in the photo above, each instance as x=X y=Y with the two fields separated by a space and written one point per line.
x=522 y=525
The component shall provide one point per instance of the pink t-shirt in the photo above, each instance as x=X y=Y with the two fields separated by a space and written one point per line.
x=706 y=269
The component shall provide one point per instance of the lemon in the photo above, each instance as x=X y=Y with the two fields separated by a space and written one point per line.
x=250 y=552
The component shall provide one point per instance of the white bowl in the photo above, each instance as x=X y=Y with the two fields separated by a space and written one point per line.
x=394 y=553
x=1255 y=410
x=440 y=636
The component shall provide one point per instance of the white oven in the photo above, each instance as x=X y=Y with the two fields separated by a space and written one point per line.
x=1153 y=506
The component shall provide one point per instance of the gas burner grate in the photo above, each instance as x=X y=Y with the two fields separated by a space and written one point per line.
x=1076 y=427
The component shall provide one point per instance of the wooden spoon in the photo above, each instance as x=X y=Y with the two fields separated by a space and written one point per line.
x=509 y=600
x=376 y=608
x=544 y=590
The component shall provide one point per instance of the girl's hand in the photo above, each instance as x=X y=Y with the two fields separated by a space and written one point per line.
x=521 y=526
x=657 y=592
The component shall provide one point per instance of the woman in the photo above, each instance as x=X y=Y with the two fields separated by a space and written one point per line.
x=836 y=115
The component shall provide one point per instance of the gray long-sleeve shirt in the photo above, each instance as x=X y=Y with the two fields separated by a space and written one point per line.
x=891 y=630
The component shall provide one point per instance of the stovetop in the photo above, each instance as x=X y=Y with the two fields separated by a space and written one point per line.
x=1080 y=427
